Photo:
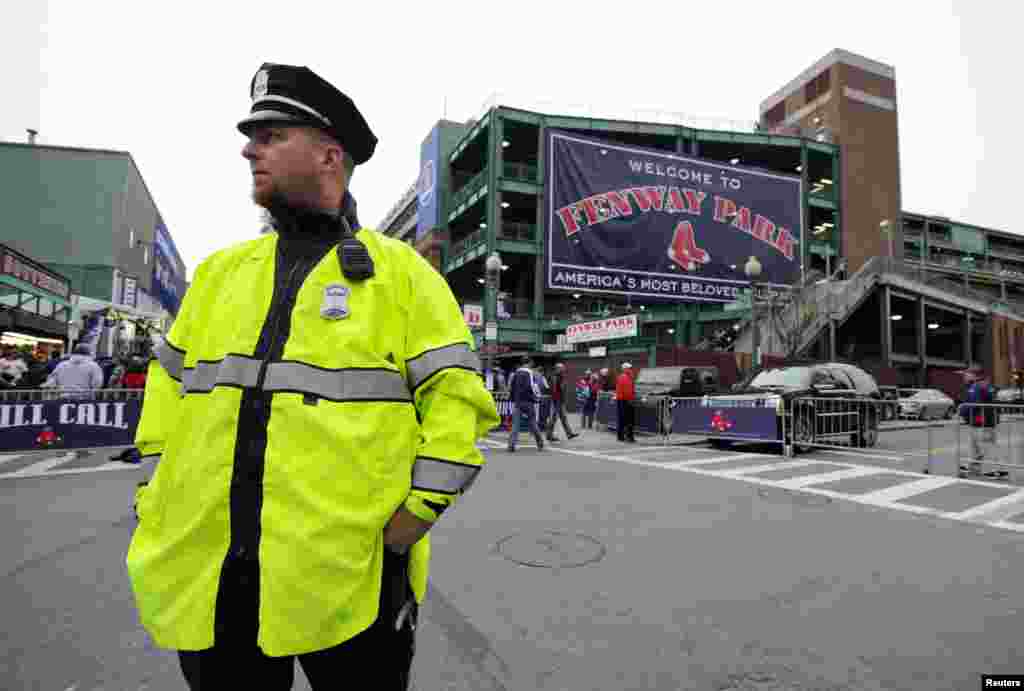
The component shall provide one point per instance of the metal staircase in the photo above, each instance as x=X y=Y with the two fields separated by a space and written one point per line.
x=818 y=303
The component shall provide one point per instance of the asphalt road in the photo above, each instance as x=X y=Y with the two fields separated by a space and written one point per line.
x=601 y=565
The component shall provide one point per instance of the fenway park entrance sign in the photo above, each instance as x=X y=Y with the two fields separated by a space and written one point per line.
x=603 y=330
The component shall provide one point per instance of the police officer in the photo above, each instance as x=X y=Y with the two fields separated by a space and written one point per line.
x=314 y=410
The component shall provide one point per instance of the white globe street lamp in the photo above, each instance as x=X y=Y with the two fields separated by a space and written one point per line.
x=753 y=270
x=492 y=274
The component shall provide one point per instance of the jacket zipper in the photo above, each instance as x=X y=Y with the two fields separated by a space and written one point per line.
x=264 y=413
x=283 y=306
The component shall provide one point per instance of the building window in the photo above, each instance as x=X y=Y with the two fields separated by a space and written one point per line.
x=775 y=114
x=816 y=87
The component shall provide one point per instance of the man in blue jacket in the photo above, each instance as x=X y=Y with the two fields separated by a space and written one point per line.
x=983 y=420
x=524 y=394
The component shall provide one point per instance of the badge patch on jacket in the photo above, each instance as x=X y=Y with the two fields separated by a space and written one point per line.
x=335 y=302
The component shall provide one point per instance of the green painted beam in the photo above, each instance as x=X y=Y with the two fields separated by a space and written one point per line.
x=518 y=325
x=520 y=187
x=732 y=137
x=830 y=149
x=516 y=247
x=791 y=142
x=558 y=121
x=523 y=116
x=629 y=127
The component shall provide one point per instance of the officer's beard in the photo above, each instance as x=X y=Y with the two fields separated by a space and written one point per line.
x=298 y=197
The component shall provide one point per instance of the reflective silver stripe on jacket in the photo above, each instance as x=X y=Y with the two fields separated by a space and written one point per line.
x=337 y=385
x=233 y=370
x=436 y=475
x=426 y=365
x=171 y=359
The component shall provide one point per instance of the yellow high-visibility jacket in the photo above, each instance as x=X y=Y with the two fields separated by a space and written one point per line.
x=379 y=408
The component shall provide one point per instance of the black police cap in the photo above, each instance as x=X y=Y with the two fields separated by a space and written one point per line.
x=291 y=94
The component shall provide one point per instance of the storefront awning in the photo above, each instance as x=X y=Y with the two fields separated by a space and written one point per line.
x=32 y=290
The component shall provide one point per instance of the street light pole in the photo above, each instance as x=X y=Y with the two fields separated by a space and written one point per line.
x=492 y=278
x=753 y=270
x=886 y=227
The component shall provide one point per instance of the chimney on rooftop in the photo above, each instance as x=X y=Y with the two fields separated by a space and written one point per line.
x=32 y=135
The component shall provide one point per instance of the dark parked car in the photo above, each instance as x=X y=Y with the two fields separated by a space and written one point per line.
x=825 y=402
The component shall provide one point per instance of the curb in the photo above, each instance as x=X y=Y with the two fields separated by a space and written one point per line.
x=935 y=425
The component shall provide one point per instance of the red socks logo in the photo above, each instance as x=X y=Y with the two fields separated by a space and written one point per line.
x=684 y=251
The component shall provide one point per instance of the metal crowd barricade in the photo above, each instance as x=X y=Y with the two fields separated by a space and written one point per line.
x=834 y=422
x=39 y=395
x=503 y=403
x=990 y=443
x=848 y=424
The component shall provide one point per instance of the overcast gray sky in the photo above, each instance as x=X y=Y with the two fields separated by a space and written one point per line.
x=167 y=82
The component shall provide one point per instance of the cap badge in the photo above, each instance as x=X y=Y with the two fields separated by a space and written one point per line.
x=335 y=302
x=259 y=85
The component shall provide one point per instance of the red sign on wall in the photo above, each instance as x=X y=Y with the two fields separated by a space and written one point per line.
x=24 y=269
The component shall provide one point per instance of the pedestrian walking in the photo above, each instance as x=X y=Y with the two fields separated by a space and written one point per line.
x=78 y=376
x=625 y=394
x=315 y=409
x=55 y=359
x=525 y=393
x=36 y=371
x=983 y=420
x=590 y=404
x=544 y=401
x=558 y=392
x=582 y=387
x=12 y=368
x=135 y=377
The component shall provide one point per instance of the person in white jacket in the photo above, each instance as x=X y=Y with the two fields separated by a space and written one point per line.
x=78 y=375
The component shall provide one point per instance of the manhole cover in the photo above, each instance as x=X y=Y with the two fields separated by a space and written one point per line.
x=789 y=496
x=551 y=549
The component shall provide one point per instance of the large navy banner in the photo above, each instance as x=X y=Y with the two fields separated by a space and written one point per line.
x=68 y=423
x=168 y=270
x=660 y=226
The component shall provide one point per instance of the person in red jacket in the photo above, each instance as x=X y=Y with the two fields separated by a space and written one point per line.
x=136 y=375
x=625 y=394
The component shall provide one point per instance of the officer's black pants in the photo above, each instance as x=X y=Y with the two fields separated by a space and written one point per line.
x=380 y=656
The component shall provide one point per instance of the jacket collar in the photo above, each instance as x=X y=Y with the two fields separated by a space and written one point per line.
x=290 y=220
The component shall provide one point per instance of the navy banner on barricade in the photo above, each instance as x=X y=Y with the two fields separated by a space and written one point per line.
x=656 y=225
x=68 y=423
x=725 y=419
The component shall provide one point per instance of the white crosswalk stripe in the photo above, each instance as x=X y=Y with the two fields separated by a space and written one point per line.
x=899 y=493
x=896 y=497
x=714 y=459
x=997 y=509
x=47 y=464
x=7 y=458
x=42 y=466
x=824 y=478
x=753 y=469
